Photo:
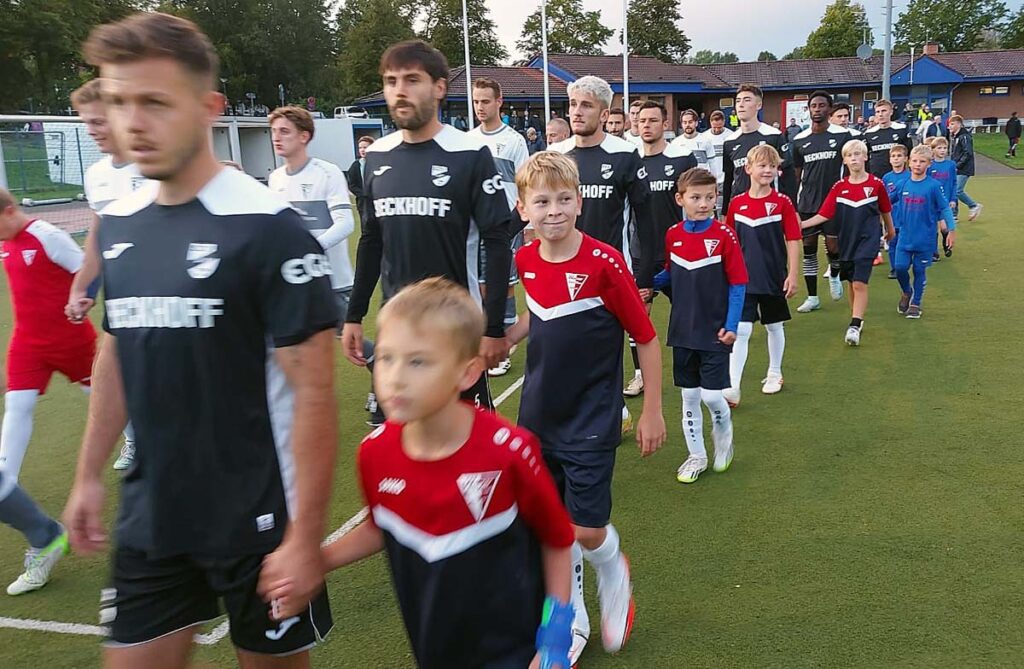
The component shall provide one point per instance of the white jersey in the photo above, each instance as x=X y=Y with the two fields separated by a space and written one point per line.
x=320 y=193
x=718 y=144
x=701 y=148
x=106 y=182
x=634 y=139
x=509 y=151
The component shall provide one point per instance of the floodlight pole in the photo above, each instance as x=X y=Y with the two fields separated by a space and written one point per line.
x=625 y=56
x=471 y=121
x=544 y=53
x=887 y=57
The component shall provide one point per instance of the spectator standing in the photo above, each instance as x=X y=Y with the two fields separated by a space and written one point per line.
x=962 y=153
x=534 y=143
x=354 y=174
x=793 y=129
x=936 y=128
x=1013 y=134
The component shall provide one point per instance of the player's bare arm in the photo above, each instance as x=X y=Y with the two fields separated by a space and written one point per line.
x=352 y=343
x=794 y=251
x=890 y=230
x=557 y=564
x=108 y=414
x=519 y=331
x=650 y=430
x=817 y=219
x=309 y=369
x=79 y=303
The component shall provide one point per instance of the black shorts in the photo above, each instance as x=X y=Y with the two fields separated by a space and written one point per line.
x=480 y=393
x=765 y=308
x=151 y=598
x=829 y=228
x=856 y=270
x=584 y=481
x=700 y=369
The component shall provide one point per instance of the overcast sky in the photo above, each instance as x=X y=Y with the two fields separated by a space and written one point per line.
x=745 y=27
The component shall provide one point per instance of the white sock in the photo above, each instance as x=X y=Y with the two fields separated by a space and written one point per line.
x=721 y=416
x=625 y=412
x=693 y=422
x=17 y=429
x=738 y=357
x=582 y=620
x=606 y=558
x=129 y=433
x=776 y=347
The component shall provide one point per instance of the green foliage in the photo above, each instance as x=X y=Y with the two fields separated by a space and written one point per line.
x=570 y=30
x=709 y=57
x=443 y=29
x=842 y=29
x=1013 y=33
x=766 y=56
x=796 y=54
x=379 y=25
x=958 y=30
x=654 y=30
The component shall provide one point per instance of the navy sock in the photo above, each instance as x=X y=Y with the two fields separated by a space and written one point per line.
x=22 y=513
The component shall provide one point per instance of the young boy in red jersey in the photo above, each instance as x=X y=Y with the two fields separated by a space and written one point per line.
x=575 y=284
x=860 y=202
x=768 y=227
x=705 y=277
x=460 y=499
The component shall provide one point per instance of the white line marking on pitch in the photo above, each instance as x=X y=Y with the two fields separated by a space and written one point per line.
x=220 y=631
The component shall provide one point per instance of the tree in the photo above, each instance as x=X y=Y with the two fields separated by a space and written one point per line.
x=766 y=56
x=381 y=24
x=957 y=30
x=842 y=30
x=570 y=30
x=1013 y=34
x=796 y=54
x=654 y=30
x=709 y=57
x=443 y=29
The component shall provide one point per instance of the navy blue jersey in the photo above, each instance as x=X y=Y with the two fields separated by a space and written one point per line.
x=735 y=149
x=702 y=266
x=663 y=172
x=572 y=395
x=764 y=225
x=614 y=190
x=857 y=208
x=880 y=142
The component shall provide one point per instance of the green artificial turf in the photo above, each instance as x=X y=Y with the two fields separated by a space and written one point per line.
x=994 y=146
x=872 y=516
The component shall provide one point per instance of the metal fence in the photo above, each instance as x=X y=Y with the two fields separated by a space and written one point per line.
x=43 y=160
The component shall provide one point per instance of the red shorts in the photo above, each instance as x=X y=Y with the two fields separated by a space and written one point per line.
x=30 y=367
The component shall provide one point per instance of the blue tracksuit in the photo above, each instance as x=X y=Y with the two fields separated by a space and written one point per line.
x=922 y=204
x=894 y=185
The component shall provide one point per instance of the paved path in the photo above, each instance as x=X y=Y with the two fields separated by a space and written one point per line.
x=985 y=166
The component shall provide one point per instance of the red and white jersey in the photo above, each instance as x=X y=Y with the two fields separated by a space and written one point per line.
x=40 y=262
x=106 y=182
x=764 y=225
x=464 y=529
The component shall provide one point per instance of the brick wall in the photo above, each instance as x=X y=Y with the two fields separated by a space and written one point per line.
x=972 y=106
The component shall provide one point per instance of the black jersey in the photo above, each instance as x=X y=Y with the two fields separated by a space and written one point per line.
x=196 y=294
x=880 y=141
x=430 y=206
x=734 y=159
x=612 y=183
x=663 y=172
x=820 y=157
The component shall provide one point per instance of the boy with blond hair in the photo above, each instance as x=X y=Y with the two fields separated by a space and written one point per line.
x=943 y=170
x=571 y=398
x=459 y=499
x=923 y=204
x=768 y=228
x=860 y=204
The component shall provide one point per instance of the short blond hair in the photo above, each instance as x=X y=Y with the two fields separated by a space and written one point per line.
x=547 y=168
x=297 y=116
x=6 y=199
x=442 y=305
x=939 y=141
x=855 y=145
x=899 y=148
x=883 y=103
x=764 y=153
x=87 y=93
x=922 y=150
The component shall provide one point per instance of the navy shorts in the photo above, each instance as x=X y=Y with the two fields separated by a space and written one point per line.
x=856 y=270
x=829 y=228
x=765 y=308
x=150 y=598
x=700 y=369
x=584 y=481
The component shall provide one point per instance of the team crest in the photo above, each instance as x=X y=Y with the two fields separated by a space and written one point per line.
x=440 y=175
x=710 y=245
x=832 y=143
x=769 y=207
x=28 y=255
x=869 y=191
x=477 y=490
x=606 y=171
x=136 y=183
x=203 y=265
x=306 y=189
x=575 y=283
x=670 y=170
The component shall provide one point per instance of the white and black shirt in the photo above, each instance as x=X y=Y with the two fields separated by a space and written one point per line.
x=820 y=156
x=880 y=142
x=106 y=182
x=430 y=206
x=509 y=151
x=198 y=295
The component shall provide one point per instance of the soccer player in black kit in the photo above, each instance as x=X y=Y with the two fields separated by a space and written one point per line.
x=818 y=159
x=220 y=322
x=433 y=198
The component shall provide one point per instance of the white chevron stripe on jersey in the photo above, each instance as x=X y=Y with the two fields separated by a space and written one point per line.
x=857 y=203
x=757 y=222
x=562 y=310
x=696 y=264
x=433 y=548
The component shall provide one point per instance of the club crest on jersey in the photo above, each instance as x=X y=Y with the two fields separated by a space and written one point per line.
x=832 y=143
x=606 y=171
x=670 y=170
x=28 y=255
x=440 y=175
x=575 y=283
x=710 y=245
x=769 y=207
x=868 y=191
x=306 y=189
x=136 y=183
x=203 y=265
x=477 y=490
